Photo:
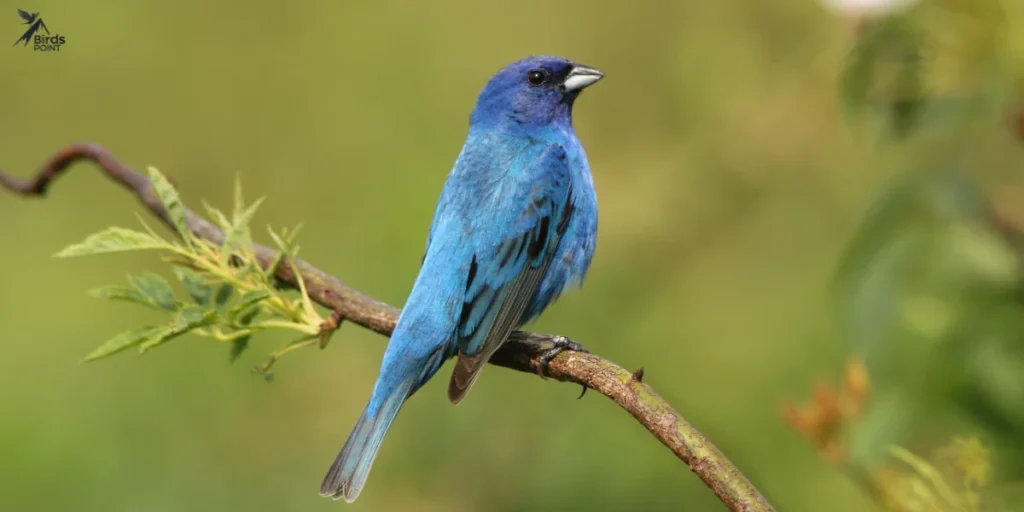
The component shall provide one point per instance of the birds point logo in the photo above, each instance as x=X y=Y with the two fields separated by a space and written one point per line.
x=40 y=42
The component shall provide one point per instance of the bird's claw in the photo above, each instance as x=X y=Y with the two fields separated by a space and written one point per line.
x=559 y=344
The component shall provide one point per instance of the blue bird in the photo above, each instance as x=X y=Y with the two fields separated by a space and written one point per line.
x=516 y=224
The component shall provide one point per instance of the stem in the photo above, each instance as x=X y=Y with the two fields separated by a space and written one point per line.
x=281 y=324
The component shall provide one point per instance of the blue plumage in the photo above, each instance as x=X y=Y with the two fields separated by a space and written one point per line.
x=516 y=224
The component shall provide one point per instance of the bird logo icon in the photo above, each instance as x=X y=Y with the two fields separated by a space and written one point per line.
x=34 y=22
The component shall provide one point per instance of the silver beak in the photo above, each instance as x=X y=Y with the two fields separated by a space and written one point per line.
x=580 y=77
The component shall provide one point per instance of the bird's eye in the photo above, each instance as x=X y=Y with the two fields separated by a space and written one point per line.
x=536 y=76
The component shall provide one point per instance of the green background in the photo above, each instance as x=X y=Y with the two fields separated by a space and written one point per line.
x=728 y=187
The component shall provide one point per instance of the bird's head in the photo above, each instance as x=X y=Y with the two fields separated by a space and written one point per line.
x=535 y=91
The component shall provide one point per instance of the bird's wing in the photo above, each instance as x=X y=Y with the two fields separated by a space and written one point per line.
x=517 y=225
x=26 y=16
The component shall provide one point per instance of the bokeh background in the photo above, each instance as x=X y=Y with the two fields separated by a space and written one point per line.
x=731 y=190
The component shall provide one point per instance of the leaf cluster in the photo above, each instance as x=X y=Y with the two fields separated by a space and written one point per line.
x=226 y=295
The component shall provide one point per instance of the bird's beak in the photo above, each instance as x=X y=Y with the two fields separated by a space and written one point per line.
x=580 y=77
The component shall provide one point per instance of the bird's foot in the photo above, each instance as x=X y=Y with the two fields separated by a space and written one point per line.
x=559 y=344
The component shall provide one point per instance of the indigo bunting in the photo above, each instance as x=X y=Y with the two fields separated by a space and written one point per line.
x=516 y=224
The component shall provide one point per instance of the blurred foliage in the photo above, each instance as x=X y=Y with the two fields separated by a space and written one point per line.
x=955 y=480
x=230 y=295
x=935 y=67
x=930 y=288
x=731 y=191
x=824 y=419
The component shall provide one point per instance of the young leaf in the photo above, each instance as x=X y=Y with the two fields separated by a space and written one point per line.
x=123 y=341
x=196 y=286
x=190 y=318
x=223 y=294
x=122 y=293
x=145 y=226
x=237 y=347
x=278 y=239
x=155 y=289
x=238 y=236
x=284 y=243
x=239 y=200
x=113 y=239
x=175 y=209
x=270 y=272
x=285 y=239
x=158 y=338
x=246 y=318
x=307 y=303
x=218 y=216
x=248 y=300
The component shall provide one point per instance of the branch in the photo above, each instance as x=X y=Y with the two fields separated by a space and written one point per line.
x=522 y=352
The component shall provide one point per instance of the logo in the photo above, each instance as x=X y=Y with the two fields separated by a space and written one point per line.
x=40 y=42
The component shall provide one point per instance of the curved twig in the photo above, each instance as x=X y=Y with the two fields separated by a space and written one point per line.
x=522 y=352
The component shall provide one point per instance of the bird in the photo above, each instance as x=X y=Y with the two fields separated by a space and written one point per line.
x=28 y=18
x=35 y=23
x=514 y=226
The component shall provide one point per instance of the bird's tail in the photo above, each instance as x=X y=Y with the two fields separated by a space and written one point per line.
x=351 y=467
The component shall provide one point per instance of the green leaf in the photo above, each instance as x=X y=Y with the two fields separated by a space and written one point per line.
x=248 y=300
x=284 y=242
x=121 y=293
x=271 y=271
x=239 y=201
x=147 y=292
x=246 y=318
x=190 y=318
x=218 y=216
x=195 y=284
x=124 y=341
x=113 y=239
x=156 y=289
x=223 y=294
x=238 y=346
x=286 y=239
x=238 y=236
x=175 y=209
x=154 y=341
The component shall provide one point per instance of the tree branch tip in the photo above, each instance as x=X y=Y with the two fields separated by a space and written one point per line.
x=638 y=375
x=327 y=328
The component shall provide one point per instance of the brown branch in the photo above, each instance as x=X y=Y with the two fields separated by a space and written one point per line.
x=522 y=352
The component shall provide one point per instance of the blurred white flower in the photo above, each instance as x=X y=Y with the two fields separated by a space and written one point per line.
x=870 y=8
